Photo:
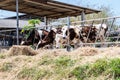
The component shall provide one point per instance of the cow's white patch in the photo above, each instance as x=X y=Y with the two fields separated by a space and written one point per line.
x=54 y=29
x=22 y=42
x=98 y=26
x=64 y=29
x=57 y=39
x=38 y=44
x=40 y=33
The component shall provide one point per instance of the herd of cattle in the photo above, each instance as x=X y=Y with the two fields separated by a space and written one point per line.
x=61 y=36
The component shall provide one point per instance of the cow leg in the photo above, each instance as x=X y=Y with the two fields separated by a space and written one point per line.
x=57 y=44
x=102 y=39
x=38 y=44
x=57 y=40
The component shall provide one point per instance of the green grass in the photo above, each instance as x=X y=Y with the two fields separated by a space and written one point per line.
x=64 y=61
x=64 y=67
x=2 y=56
x=6 y=67
x=46 y=60
x=33 y=73
x=100 y=67
x=80 y=72
x=114 y=68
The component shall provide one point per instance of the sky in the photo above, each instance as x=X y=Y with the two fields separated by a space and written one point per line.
x=112 y=4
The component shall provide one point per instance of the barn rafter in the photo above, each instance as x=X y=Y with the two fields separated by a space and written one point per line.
x=44 y=8
x=48 y=8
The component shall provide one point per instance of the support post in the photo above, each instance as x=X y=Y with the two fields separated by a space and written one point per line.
x=17 y=14
x=51 y=26
x=90 y=30
x=82 y=17
x=82 y=24
x=110 y=28
x=68 y=40
x=99 y=30
x=45 y=20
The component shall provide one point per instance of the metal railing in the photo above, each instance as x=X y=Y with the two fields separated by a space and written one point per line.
x=110 y=22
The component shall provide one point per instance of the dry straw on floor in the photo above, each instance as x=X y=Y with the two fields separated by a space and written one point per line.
x=46 y=60
x=86 y=51
x=21 y=50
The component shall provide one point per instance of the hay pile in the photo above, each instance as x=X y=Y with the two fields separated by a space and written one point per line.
x=50 y=62
x=21 y=50
x=3 y=50
x=86 y=51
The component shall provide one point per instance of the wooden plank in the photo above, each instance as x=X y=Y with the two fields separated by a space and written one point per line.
x=39 y=1
x=5 y=1
x=8 y=36
x=7 y=30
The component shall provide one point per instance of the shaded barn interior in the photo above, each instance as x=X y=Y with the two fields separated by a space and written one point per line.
x=8 y=31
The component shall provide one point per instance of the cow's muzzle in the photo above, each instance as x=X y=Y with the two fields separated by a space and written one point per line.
x=64 y=37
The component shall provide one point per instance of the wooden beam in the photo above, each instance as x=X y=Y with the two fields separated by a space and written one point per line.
x=70 y=6
x=39 y=1
x=5 y=1
x=35 y=7
x=46 y=4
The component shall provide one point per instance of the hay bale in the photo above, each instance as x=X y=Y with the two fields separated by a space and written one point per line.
x=86 y=51
x=21 y=50
x=3 y=50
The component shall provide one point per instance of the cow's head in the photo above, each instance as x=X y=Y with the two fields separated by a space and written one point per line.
x=64 y=30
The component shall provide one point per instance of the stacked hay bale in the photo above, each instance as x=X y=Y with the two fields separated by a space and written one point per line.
x=21 y=50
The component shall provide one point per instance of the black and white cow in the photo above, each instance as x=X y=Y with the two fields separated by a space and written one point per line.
x=77 y=34
x=72 y=35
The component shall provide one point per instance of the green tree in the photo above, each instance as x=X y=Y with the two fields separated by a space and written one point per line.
x=31 y=25
x=105 y=12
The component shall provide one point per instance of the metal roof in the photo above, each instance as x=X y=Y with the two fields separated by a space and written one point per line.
x=48 y=8
x=11 y=23
x=26 y=17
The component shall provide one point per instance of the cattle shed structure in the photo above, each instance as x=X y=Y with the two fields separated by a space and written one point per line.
x=50 y=8
x=44 y=8
x=8 y=31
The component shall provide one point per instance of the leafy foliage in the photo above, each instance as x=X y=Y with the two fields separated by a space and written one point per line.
x=31 y=25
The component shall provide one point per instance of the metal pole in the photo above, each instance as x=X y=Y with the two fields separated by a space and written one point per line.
x=89 y=31
x=95 y=19
x=68 y=27
x=110 y=27
x=45 y=21
x=99 y=30
x=17 y=14
x=82 y=18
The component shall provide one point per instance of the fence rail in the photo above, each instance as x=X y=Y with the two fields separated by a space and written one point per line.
x=110 y=22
